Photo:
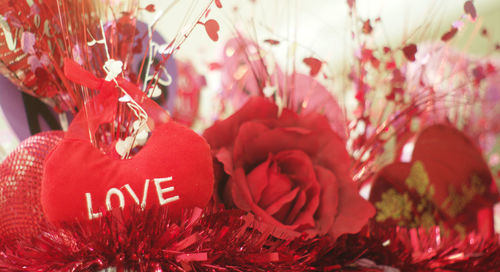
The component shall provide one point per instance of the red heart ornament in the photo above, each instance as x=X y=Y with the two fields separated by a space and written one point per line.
x=454 y=163
x=173 y=169
x=447 y=181
x=212 y=28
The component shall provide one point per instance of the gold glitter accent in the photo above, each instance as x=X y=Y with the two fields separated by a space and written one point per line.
x=393 y=206
x=399 y=207
x=427 y=220
x=460 y=229
x=456 y=202
x=423 y=205
x=418 y=179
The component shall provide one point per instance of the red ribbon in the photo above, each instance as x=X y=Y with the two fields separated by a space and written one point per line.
x=102 y=108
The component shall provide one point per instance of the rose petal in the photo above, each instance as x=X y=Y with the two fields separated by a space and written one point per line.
x=327 y=210
x=223 y=155
x=334 y=156
x=222 y=133
x=258 y=179
x=300 y=201
x=220 y=182
x=227 y=193
x=279 y=185
x=247 y=133
x=309 y=120
x=353 y=211
x=258 y=211
x=240 y=192
x=280 y=202
x=274 y=141
x=312 y=143
x=299 y=130
x=298 y=166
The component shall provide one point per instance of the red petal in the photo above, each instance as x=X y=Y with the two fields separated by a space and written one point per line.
x=240 y=193
x=212 y=28
x=298 y=166
x=298 y=206
x=274 y=141
x=327 y=210
x=218 y=3
x=280 y=202
x=353 y=211
x=279 y=186
x=333 y=156
x=224 y=156
x=244 y=143
x=223 y=133
x=243 y=200
x=259 y=179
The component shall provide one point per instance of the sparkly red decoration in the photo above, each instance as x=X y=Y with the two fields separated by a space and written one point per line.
x=283 y=158
x=272 y=41
x=470 y=9
x=212 y=28
x=226 y=240
x=189 y=89
x=21 y=173
x=447 y=182
x=450 y=34
x=150 y=8
x=314 y=65
x=244 y=71
x=410 y=51
x=218 y=3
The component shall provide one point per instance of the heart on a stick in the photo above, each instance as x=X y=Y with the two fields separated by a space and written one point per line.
x=173 y=169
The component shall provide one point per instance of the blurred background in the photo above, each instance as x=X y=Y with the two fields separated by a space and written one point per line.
x=319 y=28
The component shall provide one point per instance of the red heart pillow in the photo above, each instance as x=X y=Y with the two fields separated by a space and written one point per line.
x=174 y=168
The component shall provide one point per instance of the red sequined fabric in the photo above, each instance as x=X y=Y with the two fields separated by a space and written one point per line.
x=20 y=183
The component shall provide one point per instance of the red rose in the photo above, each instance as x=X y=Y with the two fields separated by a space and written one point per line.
x=291 y=171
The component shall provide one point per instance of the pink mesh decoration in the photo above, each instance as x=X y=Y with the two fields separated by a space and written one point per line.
x=20 y=183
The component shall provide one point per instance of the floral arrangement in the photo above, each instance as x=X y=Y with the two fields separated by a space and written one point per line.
x=274 y=186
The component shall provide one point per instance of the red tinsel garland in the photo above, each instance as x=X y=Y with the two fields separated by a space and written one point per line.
x=226 y=241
